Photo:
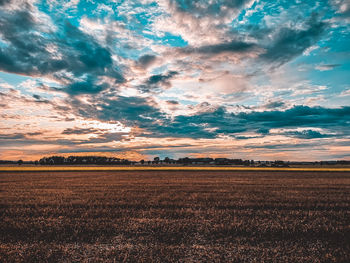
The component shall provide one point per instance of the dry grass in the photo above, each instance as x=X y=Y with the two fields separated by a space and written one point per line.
x=175 y=216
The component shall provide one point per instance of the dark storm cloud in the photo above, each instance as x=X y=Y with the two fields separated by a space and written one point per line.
x=146 y=60
x=161 y=79
x=232 y=47
x=87 y=55
x=263 y=131
x=4 y=2
x=212 y=124
x=130 y=110
x=88 y=87
x=16 y=28
x=37 y=97
x=307 y=134
x=300 y=116
x=291 y=42
x=172 y=102
x=274 y=104
x=77 y=54
x=156 y=82
x=145 y=114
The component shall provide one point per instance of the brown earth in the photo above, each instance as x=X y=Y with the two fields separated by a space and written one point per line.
x=175 y=216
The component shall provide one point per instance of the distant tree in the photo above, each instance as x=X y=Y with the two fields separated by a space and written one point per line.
x=186 y=161
x=166 y=160
x=246 y=163
x=156 y=160
x=19 y=162
x=142 y=161
x=36 y=162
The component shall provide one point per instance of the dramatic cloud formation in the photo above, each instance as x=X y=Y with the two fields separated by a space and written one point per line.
x=242 y=78
x=288 y=43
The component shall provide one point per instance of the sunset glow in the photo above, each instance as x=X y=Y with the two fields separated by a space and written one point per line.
x=262 y=80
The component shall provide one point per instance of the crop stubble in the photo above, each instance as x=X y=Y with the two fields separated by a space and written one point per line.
x=175 y=216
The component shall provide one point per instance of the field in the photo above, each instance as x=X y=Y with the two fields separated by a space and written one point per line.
x=175 y=216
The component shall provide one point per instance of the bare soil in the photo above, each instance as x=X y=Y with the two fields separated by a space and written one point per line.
x=175 y=216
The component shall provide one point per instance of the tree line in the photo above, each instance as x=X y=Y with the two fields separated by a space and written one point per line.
x=102 y=160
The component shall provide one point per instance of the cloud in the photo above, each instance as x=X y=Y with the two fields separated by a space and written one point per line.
x=157 y=79
x=217 y=122
x=85 y=87
x=146 y=60
x=172 y=102
x=131 y=111
x=21 y=138
x=345 y=93
x=199 y=22
x=212 y=124
x=274 y=104
x=155 y=82
x=171 y=70
x=325 y=67
x=4 y=2
x=230 y=47
x=305 y=133
x=343 y=8
x=13 y=136
x=308 y=134
x=65 y=54
x=39 y=99
x=70 y=131
x=216 y=8
x=287 y=42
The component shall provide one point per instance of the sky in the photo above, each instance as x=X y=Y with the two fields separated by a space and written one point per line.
x=262 y=80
